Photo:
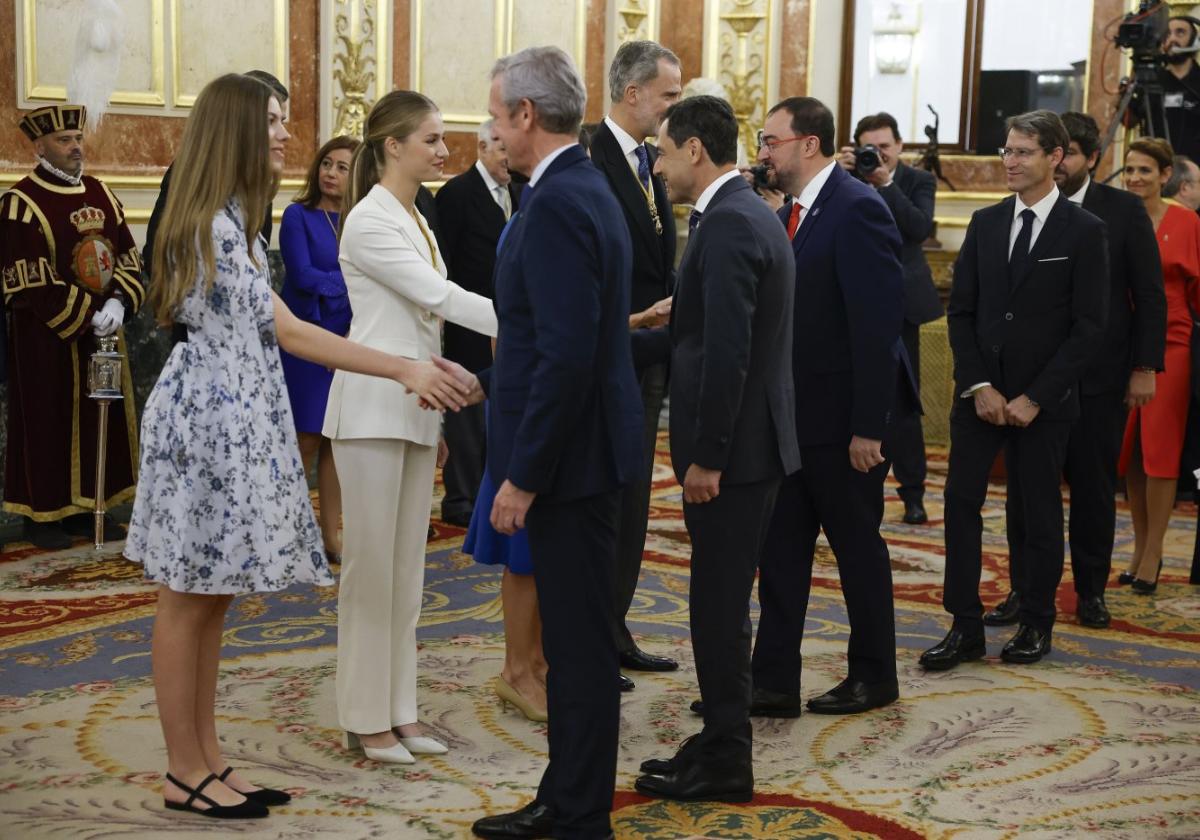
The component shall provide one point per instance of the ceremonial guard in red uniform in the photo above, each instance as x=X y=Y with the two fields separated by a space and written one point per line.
x=71 y=272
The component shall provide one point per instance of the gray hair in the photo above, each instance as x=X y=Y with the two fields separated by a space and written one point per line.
x=1181 y=174
x=485 y=131
x=548 y=78
x=636 y=63
x=1042 y=125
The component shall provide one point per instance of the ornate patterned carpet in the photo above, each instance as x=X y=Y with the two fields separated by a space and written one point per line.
x=1101 y=738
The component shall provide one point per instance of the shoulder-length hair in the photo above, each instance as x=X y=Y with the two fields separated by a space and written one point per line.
x=397 y=114
x=225 y=154
x=310 y=193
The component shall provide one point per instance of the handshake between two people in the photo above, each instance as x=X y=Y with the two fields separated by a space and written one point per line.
x=442 y=385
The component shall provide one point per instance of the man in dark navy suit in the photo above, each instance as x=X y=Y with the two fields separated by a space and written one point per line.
x=643 y=83
x=732 y=428
x=909 y=193
x=1120 y=377
x=852 y=376
x=565 y=419
x=1027 y=313
x=472 y=207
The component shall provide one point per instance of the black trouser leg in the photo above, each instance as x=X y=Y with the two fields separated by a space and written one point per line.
x=466 y=438
x=573 y=545
x=973 y=448
x=784 y=580
x=727 y=534
x=907 y=438
x=1091 y=470
x=1039 y=451
x=635 y=508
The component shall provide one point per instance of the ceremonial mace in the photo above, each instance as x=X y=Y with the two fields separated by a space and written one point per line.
x=104 y=384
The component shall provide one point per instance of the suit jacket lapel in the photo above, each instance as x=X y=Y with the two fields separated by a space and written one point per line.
x=812 y=215
x=485 y=198
x=624 y=181
x=1052 y=228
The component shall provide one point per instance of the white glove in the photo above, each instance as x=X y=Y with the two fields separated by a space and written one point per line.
x=108 y=320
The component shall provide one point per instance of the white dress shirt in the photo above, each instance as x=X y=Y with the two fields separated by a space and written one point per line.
x=812 y=189
x=707 y=196
x=499 y=193
x=626 y=141
x=541 y=168
x=1040 y=211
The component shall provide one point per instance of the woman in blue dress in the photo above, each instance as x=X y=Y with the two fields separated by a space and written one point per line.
x=315 y=291
x=222 y=505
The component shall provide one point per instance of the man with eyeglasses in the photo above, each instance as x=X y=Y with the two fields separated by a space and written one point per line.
x=1027 y=313
x=1120 y=377
x=848 y=364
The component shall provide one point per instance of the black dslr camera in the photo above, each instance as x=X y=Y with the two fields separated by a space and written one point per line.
x=866 y=161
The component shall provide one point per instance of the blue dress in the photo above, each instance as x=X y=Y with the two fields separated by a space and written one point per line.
x=315 y=292
x=489 y=546
x=222 y=505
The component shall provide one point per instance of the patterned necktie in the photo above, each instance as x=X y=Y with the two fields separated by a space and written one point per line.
x=693 y=221
x=504 y=200
x=793 y=223
x=1018 y=260
x=643 y=172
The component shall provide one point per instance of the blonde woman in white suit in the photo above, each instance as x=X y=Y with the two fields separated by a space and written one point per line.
x=385 y=445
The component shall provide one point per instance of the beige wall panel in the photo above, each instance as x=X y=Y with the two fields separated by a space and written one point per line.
x=455 y=47
x=538 y=23
x=212 y=37
x=48 y=49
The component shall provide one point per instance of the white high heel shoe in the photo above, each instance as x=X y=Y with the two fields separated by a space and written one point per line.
x=424 y=746
x=397 y=754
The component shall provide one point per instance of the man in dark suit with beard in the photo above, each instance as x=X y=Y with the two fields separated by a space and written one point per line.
x=472 y=208
x=1027 y=313
x=732 y=428
x=909 y=193
x=643 y=81
x=1120 y=377
x=852 y=378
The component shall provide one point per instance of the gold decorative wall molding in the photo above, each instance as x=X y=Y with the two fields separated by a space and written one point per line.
x=636 y=20
x=35 y=90
x=226 y=10
x=459 y=76
x=740 y=45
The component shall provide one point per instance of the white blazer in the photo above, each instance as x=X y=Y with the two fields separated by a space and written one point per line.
x=398 y=289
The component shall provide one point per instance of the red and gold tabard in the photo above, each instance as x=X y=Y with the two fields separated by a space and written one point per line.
x=64 y=250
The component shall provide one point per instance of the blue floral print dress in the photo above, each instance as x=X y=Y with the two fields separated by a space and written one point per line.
x=222 y=503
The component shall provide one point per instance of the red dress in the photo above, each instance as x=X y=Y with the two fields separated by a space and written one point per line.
x=1163 y=420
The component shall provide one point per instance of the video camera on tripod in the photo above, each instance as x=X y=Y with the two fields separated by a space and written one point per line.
x=1141 y=96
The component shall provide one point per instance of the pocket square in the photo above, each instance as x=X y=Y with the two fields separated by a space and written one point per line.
x=1053 y=259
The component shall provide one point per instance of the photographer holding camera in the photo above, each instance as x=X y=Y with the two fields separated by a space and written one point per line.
x=1180 y=81
x=909 y=194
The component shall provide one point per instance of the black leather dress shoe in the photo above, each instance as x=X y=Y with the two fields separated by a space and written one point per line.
x=850 y=697
x=1005 y=612
x=461 y=518
x=625 y=682
x=1092 y=612
x=1125 y=578
x=45 y=535
x=534 y=820
x=1028 y=646
x=694 y=781
x=639 y=660
x=768 y=704
x=914 y=512
x=956 y=648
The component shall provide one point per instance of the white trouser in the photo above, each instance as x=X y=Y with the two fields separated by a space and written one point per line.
x=387 y=492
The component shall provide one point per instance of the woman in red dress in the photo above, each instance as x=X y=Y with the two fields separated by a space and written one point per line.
x=1154 y=434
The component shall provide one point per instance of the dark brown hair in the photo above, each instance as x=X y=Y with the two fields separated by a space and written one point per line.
x=1154 y=147
x=874 y=122
x=310 y=193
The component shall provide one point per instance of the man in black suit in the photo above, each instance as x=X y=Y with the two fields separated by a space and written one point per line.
x=1027 y=313
x=732 y=428
x=472 y=207
x=1120 y=376
x=852 y=377
x=909 y=193
x=644 y=81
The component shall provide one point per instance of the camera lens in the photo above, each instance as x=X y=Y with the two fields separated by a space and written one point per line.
x=866 y=160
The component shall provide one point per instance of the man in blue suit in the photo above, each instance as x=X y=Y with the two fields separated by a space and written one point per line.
x=848 y=363
x=565 y=418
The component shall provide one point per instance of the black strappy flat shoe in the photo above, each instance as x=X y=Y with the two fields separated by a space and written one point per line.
x=248 y=810
x=263 y=796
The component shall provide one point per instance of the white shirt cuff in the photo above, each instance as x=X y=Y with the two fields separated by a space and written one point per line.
x=970 y=392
